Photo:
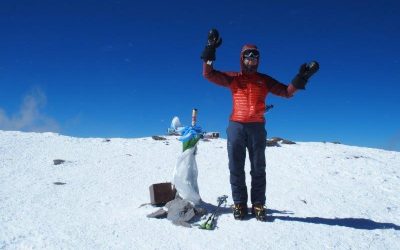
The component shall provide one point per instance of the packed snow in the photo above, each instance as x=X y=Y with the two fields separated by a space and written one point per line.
x=319 y=195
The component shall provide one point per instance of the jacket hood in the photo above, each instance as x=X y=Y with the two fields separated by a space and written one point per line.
x=244 y=48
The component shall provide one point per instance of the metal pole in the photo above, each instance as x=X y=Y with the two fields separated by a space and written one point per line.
x=194 y=117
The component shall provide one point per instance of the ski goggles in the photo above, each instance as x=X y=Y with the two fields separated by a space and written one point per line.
x=253 y=54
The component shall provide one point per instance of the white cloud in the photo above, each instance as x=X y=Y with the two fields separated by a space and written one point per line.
x=30 y=116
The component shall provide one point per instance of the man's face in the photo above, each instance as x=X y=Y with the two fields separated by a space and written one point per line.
x=250 y=58
x=249 y=62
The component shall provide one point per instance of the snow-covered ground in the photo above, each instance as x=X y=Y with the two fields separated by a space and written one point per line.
x=319 y=195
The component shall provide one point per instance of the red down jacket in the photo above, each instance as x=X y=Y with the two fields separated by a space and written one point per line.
x=249 y=90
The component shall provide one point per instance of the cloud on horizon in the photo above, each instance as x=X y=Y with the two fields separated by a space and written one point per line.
x=30 y=117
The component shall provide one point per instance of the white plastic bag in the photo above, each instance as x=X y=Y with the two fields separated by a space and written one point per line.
x=185 y=176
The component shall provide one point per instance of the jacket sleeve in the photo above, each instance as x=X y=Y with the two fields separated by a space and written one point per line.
x=280 y=89
x=215 y=76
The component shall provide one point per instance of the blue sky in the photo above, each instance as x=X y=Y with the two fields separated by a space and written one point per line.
x=126 y=68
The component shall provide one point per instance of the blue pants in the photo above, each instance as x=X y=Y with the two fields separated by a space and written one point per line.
x=253 y=137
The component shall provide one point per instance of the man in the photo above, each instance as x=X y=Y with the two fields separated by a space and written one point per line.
x=246 y=127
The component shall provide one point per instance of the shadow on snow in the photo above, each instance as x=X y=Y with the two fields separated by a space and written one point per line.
x=356 y=223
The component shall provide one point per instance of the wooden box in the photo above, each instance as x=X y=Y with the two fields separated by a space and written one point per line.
x=161 y=193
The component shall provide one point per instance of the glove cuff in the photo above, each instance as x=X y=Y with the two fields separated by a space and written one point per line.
x=208 y=54
x=299 y=82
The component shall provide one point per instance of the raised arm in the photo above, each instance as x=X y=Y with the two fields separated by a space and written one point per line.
x=298 y=82
x=208 y=56
x=280 y=89
x=215 y=76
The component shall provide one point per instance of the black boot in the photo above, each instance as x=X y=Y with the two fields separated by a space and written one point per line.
x=260 y=211
x=239 y=211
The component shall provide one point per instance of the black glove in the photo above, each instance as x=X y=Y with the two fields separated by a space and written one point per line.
x=305 y=72
x=213 y=42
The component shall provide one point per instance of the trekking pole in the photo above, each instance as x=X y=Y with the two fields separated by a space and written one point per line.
x=209 y=223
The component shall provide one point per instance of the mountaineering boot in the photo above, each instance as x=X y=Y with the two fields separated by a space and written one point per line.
x=239 y=211
x=260 y=211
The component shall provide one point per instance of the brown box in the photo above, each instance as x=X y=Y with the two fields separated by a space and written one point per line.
x=161 y=193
